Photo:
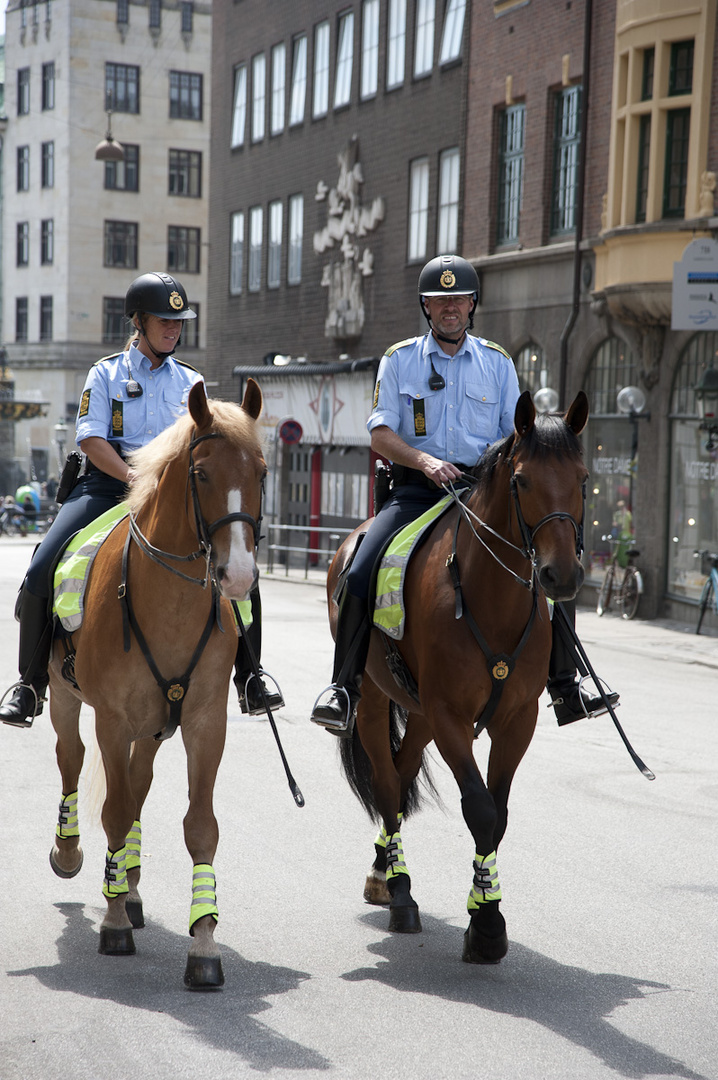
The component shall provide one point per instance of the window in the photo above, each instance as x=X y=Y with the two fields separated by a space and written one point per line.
x=370 y=48
x=47 y=167
x=448 y=233
x=274 y=257
x=124 y=175
x=185 y=173
x=299 y=80
x=187 y=13
x=45 y=318
x=424 y=50
x=23 y=91
x=396 y=46
x=511 y=171
x=345 y=60
x=453 y=31
x=185 y=95
x=680 y=78
x=236 y=253
x=122 y=88
x=239 y=109
x=567 y=143
x=20 y=318
x=121 y=244
x=190 y=329
x=418 y=208
x=155 y=14
x=183 y=247
x=649 y=64
x=114 y=324
x=320 y=100
x=678 y=126
x=531 y=368
x=47 y=242
x=23 y=168
x=259 y=77
x=279 y=85
x=22 y=246
x=123 y=12
x=296 y=237
x=255 y=249
x=48 y=86
x=644 y=147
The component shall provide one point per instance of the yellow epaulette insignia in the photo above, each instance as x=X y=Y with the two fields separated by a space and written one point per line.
x=183 y=363
x=499 y=348
x=399 y=345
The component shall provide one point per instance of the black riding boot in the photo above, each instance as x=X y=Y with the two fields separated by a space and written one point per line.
x=25 y=702
x=249 y=691
x=350 y=653
x=570 y=702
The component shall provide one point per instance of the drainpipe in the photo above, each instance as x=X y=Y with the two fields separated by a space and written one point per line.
x=576 y=299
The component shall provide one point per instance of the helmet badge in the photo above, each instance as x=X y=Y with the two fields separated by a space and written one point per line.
x=176 y=301
x=447 y=279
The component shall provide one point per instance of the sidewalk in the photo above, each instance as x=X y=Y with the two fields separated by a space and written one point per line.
x=670 y=639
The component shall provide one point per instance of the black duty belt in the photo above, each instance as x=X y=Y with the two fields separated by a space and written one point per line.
x=402 y=474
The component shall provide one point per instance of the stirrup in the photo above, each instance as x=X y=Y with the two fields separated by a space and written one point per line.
x=343 y=730
x=601 y=709
x=37 y=705
x=260 y=709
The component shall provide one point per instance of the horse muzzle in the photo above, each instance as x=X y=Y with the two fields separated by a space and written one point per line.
x=560 y=585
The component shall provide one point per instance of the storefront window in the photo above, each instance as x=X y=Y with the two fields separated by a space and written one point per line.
x=531 y=368
x=609 y=452
x=693 y=521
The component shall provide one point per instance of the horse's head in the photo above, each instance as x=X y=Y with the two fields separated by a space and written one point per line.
x=227 y=477
x=548 y=479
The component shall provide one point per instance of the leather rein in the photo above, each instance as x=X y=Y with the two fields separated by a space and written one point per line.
x=174 y=689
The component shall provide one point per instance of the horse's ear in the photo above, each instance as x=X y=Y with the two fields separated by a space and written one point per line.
x=252 y=402
x=577 y=415
x=198 y=407
x=525 y=414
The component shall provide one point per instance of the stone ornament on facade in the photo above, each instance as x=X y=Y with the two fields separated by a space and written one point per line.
x=348 y=223
x=706 y=200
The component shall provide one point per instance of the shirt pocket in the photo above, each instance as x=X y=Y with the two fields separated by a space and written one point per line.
x=421 y=409
x=128 y=416
x=174 y=403
x=484 y=408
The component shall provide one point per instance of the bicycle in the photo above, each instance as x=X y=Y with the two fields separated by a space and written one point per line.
x=625 y=590
x=709 y=595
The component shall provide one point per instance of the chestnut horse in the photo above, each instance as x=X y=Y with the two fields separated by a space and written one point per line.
x=158 y=604
x=478 y=584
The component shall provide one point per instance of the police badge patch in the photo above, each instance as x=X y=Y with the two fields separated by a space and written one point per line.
x=84 y=404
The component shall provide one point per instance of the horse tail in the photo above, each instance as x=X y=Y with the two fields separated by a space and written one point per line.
x=356 y=765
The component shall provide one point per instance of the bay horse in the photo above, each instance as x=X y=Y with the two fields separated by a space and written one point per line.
x=196 y=504
x=478 y=585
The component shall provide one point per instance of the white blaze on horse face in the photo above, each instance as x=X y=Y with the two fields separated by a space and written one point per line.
x=239 y=572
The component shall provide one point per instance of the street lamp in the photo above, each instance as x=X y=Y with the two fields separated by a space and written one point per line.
x=707 y=396
x=109 y=149
x=61 y=442
x=631 y=402
x=546 y=400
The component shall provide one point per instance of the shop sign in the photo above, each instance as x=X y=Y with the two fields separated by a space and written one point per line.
x=695 y=287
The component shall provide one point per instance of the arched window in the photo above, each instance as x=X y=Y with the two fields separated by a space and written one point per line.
x=531 y=368
x=612 y=367
x=693 y=521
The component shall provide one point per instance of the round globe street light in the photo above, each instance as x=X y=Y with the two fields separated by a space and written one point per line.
x=546 y=400
x=631 y=401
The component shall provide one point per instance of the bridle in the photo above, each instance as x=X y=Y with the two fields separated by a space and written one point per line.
x=204 y=530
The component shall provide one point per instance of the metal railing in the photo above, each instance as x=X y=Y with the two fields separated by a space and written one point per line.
x=299 y=554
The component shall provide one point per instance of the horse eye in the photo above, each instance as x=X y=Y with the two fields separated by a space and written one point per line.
x=200 y=474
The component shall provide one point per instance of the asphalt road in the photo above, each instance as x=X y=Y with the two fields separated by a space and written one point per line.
x=609 y=882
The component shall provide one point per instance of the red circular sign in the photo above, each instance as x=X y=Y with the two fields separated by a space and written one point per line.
x=291 y=432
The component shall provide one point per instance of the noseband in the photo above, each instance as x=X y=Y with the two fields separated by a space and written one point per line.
x=528 y=533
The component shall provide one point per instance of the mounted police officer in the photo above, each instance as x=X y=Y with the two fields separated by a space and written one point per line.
x=440 y=400
x=127 y=400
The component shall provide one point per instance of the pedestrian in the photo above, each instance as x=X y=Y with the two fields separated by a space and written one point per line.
x=440 y=400
x=128 y=399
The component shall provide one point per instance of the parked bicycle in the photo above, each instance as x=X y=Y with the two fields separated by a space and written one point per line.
x=13 y=521
x=621 y=584
x=709 y=596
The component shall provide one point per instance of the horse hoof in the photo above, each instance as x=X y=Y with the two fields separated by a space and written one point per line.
x=59 y=870
x=135 y=913
x=114 y=942
x=481 y=949
x=404 y=919
x=203 y=973
x=375 y=890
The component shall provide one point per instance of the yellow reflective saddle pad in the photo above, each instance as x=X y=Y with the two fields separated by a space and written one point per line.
x=389 y=611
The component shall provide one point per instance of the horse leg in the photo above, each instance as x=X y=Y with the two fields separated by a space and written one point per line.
x=204 y=753
x=142 y=758
x=118 y=813
x=66 y=854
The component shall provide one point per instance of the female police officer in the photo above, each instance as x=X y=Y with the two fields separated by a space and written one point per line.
x=127 y=400
x=440 y=401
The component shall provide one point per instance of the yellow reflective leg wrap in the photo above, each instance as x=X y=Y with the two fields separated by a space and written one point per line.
x=115 y=883
x=395 y=864
x=381 y=837
x=486 y=881
x=67 y=823
x=204 y=896
x=133 y=843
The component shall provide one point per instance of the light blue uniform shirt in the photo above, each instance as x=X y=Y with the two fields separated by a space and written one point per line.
x=108 y=411
x=455 y=424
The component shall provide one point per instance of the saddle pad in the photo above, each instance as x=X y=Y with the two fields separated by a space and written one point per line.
x=74 y=566
x=389 y=612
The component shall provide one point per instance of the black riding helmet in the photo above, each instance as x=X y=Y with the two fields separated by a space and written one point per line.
x=449 y=275
x=158 y=294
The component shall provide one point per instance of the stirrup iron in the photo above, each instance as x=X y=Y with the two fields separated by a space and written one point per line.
x=330 y=724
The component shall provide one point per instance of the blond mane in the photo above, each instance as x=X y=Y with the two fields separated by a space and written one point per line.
x=228 y=419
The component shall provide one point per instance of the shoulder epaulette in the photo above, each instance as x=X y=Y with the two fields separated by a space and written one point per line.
x=102 y=359
x=399 y=345
x=499 y=348
x=183 y=363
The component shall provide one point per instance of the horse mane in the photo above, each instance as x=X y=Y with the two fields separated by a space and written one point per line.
x=549 y=436
x=150 y=461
